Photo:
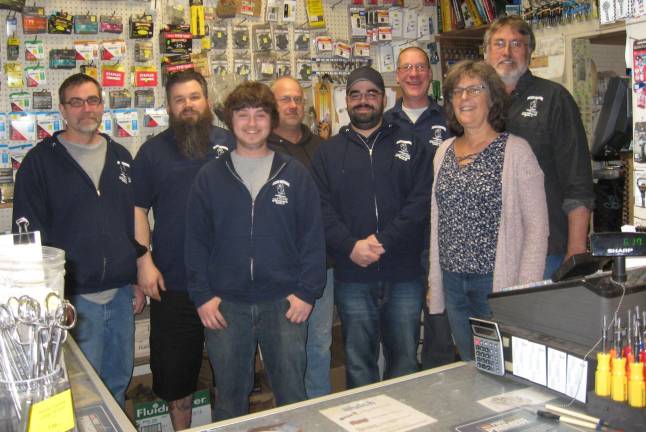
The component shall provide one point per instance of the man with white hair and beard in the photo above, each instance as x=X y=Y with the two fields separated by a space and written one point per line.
x=374 y=179
x=546 y=115
x=163 y=173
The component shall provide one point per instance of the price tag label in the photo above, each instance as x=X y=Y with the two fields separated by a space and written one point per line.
x=53 y=414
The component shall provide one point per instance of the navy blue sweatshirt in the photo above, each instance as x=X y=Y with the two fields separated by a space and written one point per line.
x=429 y=128
x=385 y=192
x=252 y=251
x=94 y=227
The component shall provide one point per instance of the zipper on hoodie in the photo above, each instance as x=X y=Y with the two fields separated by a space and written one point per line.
x=253 y=208
x=374 y=185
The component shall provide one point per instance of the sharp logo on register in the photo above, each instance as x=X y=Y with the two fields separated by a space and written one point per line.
x=619 y=250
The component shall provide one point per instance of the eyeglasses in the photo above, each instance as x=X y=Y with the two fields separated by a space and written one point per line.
x=409 y=67
x=298 y=100
x=471 y=91
x=78 y=102
x=515 y=45
x=369 y=95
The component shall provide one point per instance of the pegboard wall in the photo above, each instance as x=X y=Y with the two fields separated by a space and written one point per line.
x=337 y=25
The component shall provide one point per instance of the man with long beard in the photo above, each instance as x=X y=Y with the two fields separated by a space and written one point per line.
x=163 y=173
x=375 y=180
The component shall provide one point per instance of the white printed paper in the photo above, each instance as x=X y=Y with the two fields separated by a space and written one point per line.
x=530 y=360
x=377 y=414
x=577 y=382
x=556 y=370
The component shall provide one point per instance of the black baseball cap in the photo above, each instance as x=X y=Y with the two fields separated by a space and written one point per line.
x=365 y=73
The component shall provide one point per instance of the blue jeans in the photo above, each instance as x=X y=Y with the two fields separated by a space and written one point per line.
x=232 y=354
x=106 y=335
x=319 y=339
x=552 y=264
x=465 y=295
x=379 y=312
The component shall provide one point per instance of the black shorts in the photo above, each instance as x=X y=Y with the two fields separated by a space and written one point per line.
x=176 y=345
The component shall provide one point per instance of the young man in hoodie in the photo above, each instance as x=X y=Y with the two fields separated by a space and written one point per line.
x=374 y=179
x=255 y=256
x=74 y=188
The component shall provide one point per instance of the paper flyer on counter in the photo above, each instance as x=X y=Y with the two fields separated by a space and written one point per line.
x=377 y=414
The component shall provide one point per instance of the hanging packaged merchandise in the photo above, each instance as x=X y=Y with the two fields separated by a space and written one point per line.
x=357 y=22
x=220 y=67
x=201 y=64
x=86 y=24
x=86 y=51
x=111 y=24
x=302 y=40
x=35 y=76
x=143 y=50
x=219 y=38
x=145 y=98
x=226 y=9
x=198 y=23
x=34 y=50
x=141 y=26
x=324 y=44
x=13 y=48
x=304 y=70
x=145 y=76
x=175 y=39
x=281 y=38
x=242 y=68
x=41 y=100
x=90 y=70
x=262 y=38
x=113 y=50
x=240 y=38
x=113 y=75
x=265 y=68
x=47 y=123
x=20 y=101
x=205 y=41
x=60 y=23
x=11 y=25
x=107 y=125
x=62 y=59
x=34 y=20
x=361 y=49
x=120 y=98
x=173 y=64
x=156 y=117
x=283 y=68
x=289 y=11
x=126 y=122
x=343 y=50
x=14 y=74
x=314 y=9
x=22 y=126
x=249 y=7
x=4 y=126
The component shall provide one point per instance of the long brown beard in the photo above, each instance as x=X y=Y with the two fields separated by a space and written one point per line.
x=192 y=138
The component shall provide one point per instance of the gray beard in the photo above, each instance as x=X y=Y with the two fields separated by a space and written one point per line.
x=193 y=139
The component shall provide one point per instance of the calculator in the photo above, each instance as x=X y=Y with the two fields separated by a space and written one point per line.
x=487 y=346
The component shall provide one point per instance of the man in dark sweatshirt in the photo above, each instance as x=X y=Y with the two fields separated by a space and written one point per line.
x=292 y=137
x=255 y=256
x=75 y=189
x=375 y=180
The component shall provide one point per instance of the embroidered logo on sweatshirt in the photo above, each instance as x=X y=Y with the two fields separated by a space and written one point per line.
x=438 y=135
x=124 y=174
x=280 y=192
x=532 y=109
x=220 y=150
x=403 y=152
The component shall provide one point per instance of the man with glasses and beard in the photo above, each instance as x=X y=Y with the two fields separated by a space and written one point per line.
x=75 y=188
x=163 y=173
x=374 y=179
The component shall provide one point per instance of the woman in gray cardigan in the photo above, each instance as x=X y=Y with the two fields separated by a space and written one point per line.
x=489 y=224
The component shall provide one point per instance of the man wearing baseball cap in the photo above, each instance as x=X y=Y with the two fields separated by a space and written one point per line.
x=374 y=180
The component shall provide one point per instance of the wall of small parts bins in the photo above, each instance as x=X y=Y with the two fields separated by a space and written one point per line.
x=35 y=63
